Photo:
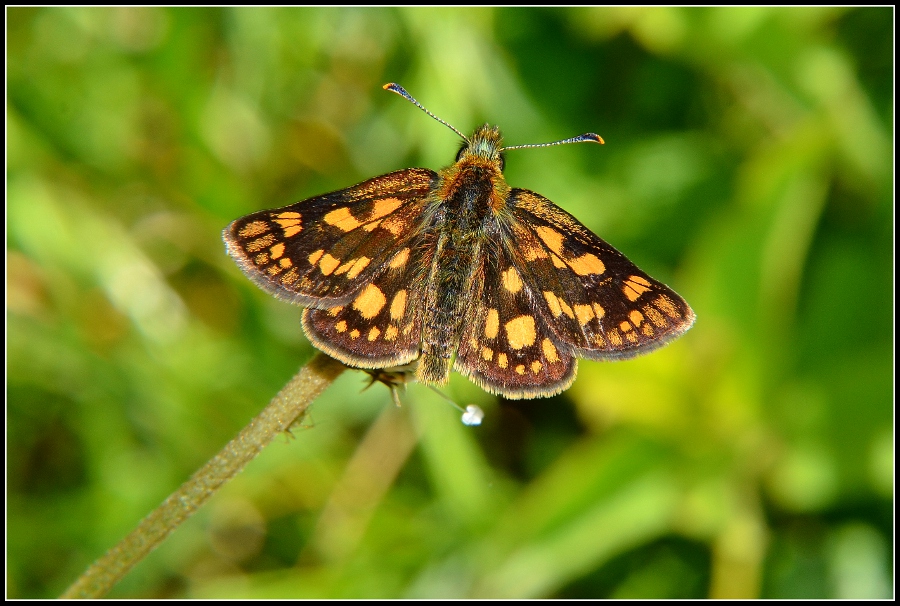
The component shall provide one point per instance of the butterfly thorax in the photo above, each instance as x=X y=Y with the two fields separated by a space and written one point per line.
x=468 y=196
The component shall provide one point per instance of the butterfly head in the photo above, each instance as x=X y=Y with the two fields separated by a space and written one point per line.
x=484 y=146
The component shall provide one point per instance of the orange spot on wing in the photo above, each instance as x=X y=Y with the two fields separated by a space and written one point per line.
x=343 y=219
x=521 y=332
x=553 y=303
x=634 y=287
x=254 y=228
x=285 y=223
x=549 y=351
x=584 y=313
x=328 y=264
x=260 y=243
x=491 y=324
x=614 y=337
x=314 y=257
x=369 y=302
x=552 y=238
x=533 y=252
x=511 y=280
x=384 y=207
x=655 y=317
x=357 y=268
x=396 y=225
x=399 y=259
x=587 y=264
x=398 y=305
x=666 y=305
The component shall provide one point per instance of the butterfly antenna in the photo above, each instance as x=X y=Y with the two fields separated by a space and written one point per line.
x=396 y=88
x=592 y=137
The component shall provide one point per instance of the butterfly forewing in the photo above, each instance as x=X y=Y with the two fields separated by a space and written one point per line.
x=322 y=251
x=591 y=296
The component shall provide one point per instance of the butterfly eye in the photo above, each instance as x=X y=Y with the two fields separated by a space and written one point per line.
x=502 y=162
x=462 y=150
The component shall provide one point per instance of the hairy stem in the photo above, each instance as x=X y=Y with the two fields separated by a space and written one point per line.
x=285 y=409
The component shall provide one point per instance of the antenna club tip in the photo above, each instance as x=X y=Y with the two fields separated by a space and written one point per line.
x=595 y=137
x=396 y=88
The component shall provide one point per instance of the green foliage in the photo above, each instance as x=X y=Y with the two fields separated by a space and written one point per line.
x=748 y=164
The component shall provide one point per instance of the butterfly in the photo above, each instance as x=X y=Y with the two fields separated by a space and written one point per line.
x=455 y=269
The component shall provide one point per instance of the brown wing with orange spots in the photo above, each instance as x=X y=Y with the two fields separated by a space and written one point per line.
x=324 y=250
x=588 y=293
x=507 y=348
x=381 y=326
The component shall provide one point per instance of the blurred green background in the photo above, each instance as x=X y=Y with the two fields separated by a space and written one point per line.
x=747 y=164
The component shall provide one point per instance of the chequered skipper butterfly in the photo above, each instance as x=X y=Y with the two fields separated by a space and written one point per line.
x=455 y=269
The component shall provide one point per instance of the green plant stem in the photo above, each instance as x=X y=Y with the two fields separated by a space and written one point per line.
x=283 y=411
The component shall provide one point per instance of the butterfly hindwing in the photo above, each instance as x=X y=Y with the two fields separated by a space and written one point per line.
x=323 y=250
x=382 y=325
x=506 y=346
x=591 y=296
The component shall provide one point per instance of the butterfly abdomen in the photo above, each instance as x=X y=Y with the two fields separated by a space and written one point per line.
x=461 y=227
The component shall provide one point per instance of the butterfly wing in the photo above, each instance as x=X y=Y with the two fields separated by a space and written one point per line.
x=506 y=347
x=321 y=252
x=589 y=294
x=382 y=325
